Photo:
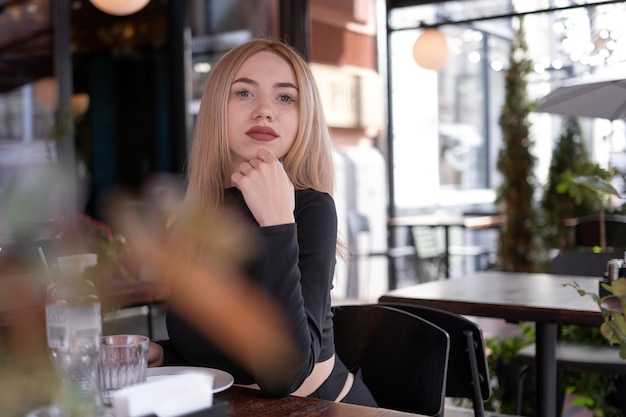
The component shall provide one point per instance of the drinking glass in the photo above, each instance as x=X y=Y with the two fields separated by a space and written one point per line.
x=123 y=362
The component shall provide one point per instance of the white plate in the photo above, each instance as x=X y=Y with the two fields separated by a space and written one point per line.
x=221 y=380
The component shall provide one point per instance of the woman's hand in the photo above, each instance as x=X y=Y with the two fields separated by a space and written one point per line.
x=155 y=355
x=267 y=189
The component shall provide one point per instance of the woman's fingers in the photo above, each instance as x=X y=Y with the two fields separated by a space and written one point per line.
x=266 y=188
x=155 y=355
x=247 y=168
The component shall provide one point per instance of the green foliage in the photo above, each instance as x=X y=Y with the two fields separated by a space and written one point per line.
x=577 y=187
x=569 y=156
x=592 y=390
x=502 y=358
x=613 y=309
x=590 y=183
x=516 y=164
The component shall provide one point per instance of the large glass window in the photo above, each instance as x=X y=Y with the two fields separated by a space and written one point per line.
x=446 y=121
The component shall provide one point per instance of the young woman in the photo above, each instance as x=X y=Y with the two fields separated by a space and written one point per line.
x=261 y=146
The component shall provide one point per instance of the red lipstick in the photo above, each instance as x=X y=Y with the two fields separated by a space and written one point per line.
x=262 y=133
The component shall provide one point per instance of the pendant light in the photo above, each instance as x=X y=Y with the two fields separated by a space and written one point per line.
x=46 y=92
x=431 y=50
x=120 y=7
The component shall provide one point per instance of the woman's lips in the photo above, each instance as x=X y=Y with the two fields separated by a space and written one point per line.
x=262 y=133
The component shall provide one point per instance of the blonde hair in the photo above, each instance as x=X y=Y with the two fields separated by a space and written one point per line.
x=309 y=161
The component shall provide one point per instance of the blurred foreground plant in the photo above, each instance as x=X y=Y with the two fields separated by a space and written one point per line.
x=84 y=234
x=207 y=285
x=613 y=309
x=26 y=376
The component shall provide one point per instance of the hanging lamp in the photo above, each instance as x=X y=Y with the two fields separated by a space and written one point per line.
x=120 y=7
x=431 y=49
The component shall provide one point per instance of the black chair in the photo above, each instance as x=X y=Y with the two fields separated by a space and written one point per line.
x=358 y=224
x=587 y=231
x=403 y=358
x=577 y=357
x=468 y=372
x=431 y=251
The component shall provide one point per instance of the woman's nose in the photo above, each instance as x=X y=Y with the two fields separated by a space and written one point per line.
x=263 y=111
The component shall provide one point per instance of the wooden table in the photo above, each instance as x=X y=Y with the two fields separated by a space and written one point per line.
x=245 y=402
x=446 y=222
x=515 y=297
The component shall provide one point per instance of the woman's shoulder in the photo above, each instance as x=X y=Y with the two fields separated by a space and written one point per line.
x=313 y=196
x=314 y=202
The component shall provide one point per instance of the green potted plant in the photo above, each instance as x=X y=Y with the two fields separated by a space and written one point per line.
x=591 y=183
x=515 y=196
x=505 y=371
x=613 y=309
x=586 y=187
x=516 y=163
x=613 y=329
x=569 y=154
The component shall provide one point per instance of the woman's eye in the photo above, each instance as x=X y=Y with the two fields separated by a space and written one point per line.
x=286 y=98
x=242 y=93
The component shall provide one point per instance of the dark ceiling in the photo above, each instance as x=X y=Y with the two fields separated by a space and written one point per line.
x=26 y=36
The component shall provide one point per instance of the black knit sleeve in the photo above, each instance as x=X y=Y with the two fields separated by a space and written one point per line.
x=296 y=266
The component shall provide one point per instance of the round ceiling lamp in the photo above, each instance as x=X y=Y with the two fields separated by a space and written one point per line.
x=80 y=103
x=431 y=50
x=120 y=7
x=46 y=92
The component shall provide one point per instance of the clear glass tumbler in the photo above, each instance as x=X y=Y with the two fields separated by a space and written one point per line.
x=123 y=362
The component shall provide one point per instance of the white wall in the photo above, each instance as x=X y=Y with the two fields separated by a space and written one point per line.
x=361 y=192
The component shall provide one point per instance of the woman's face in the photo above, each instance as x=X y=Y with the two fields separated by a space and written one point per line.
x=262 y=107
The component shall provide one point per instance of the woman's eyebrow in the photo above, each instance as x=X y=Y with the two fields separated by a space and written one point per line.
x=247 y=80
x=244 y=80
x=287 y=85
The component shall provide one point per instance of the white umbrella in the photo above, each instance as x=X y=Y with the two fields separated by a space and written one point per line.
x=588 y=97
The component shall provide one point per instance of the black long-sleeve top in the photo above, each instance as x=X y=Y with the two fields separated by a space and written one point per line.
x=295 y=263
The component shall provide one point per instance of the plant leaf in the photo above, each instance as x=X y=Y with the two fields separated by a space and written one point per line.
x=620 y=321
x=618 y=287
x=609 y=335
x=596 y=183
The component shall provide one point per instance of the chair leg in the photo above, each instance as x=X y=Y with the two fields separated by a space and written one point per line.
x=477 y=400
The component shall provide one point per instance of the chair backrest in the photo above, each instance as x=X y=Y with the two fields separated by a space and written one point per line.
x=468 y=372
x=427 y=242
x=430 y=252
x=582 y=263
x=403 y=358
x=587 y=231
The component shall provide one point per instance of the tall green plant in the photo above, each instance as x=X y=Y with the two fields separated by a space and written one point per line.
x=594 y=184
x=569 y=155
x=516 y=164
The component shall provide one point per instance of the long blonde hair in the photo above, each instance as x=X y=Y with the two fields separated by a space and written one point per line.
x=309 y=161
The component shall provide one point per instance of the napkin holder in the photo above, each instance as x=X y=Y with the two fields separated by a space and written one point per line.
x=183 y=395
x=603 y=292
x=614 y=270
